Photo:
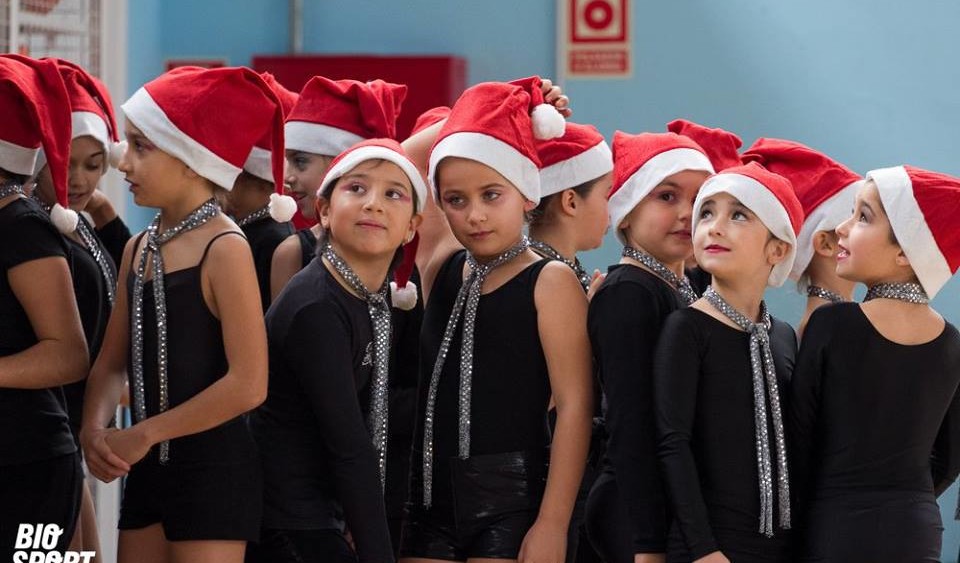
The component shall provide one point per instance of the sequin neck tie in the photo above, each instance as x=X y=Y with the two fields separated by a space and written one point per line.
x=680 y=283
x=764 y=390
x=7 y=189
x=154 y=241
x=100 y=257
x=909 y=292
x=547 y=251
x=257 y=215
x=468 y=299
x=825 y=294
x=379 y=309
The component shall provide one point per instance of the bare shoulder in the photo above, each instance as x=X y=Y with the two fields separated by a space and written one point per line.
x=557 y=283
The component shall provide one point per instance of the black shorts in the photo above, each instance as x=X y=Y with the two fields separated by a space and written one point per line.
x=483 y=511
x=41 y=492
x=196 y=500
x=296 y=546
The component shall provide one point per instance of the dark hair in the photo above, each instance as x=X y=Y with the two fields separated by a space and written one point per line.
x=324 y=233
x=536 y=217
x=6 y=175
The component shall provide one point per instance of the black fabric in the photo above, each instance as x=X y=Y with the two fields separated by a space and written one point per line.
x=264 y=237
x=608 y=522
x=699 y=279
x=221 y=461
x=40 y=492
x=320 y=466
x=874 y=432
x=114 y=236
x=703 y=392
x=624 y=322
x=33 y=422
x=300 y=546
x=308 y=246
x=93 y=303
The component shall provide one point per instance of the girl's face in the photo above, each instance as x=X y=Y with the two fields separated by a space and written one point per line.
x=370 y=211
x=88 y=163
x=731 y=242
x=484 y=209
x=661 y=223
x=153 y=174
x=304 y=172
x=593 y=218
x=868 y=253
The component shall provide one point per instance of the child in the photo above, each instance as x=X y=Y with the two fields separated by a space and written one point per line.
x=330 y=116
x=502 y=347
x=656 y=179
x=826 y=189
x=188 y=328
x=323 y=430
x=41 y=338
x=875 y=407
x=719 y=369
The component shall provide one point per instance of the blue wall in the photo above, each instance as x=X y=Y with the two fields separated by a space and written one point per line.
x=871 y=82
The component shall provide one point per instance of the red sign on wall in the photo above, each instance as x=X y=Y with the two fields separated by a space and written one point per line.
x=594 y=38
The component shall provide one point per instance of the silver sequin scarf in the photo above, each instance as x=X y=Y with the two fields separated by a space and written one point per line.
x=764 y=390
x=9 y=188
x=909 y=292
x=379 y=309
x=257 y=215
x=825 y=294
x=680 y=283
x=468 y=299
x=155 y=240
x=547 y=251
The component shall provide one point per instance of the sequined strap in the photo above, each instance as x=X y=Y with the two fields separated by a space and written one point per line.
x=909 y=292
x=765 y=390
x=93 y=246
x=378 y=417
x=257 y=215
x=825 y=294
x=547 y=251
x=680 y=283
x=8 y=189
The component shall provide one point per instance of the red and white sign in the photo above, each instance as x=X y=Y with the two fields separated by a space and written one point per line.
x=594 y=38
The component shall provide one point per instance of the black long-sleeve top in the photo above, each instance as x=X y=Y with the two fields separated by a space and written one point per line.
x=318 y=456
x=624 y=322
x=703 y=392
x=868 y=415
x=114 y=236
x=264 y=237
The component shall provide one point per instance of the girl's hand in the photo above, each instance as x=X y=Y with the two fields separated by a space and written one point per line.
x=130 y=444
x=715 y=557
x=103 y=463
x=544 y=543
x=553 y=94
x=649 y=558
x=595 y=282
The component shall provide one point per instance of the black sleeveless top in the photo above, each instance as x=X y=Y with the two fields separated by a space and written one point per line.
x=195 y=360
x=264 y=237
x=308 y=246
x=511 y=385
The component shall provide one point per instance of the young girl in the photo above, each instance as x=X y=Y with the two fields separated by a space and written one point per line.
x=41 y=338
x=188 y=328
x=875 y=407
x=826 y=190
x=657 y=177
x=323 y=434
x=330 y=116
x=719 y=371
x=496 y=347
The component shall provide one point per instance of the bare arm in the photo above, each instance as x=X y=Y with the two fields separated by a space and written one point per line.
x=566 y=346
x=45 y=291
x=286 y=262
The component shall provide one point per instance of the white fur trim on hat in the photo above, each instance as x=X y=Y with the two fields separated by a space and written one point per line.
x=260 y=164
x=648 y=177
x=316 y=138
x=910 y=228
x=148 y=116
x=547 y=122
x=372 y=152
x=510 y=163
x=570 y=173
x=403 y=298
x=86 y=123
x=760 y=200
x=17 y=159
x=826 y=217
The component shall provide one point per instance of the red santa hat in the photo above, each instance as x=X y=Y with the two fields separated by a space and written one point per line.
x=404 y=292
x=577 y=157
x=288 y=99
x=210 y=119
x=91 y=109
x=770 y=197
x=721 y=146
x=37 y=116
x=430 y=117
x=826 y=189
x=497 y=124
x=333 y=115
x=641 y=162
x=923 y=207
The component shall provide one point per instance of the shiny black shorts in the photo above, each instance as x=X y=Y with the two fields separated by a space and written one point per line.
x=483 y=510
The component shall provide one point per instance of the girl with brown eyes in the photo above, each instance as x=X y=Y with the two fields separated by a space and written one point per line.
x=875 y=407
